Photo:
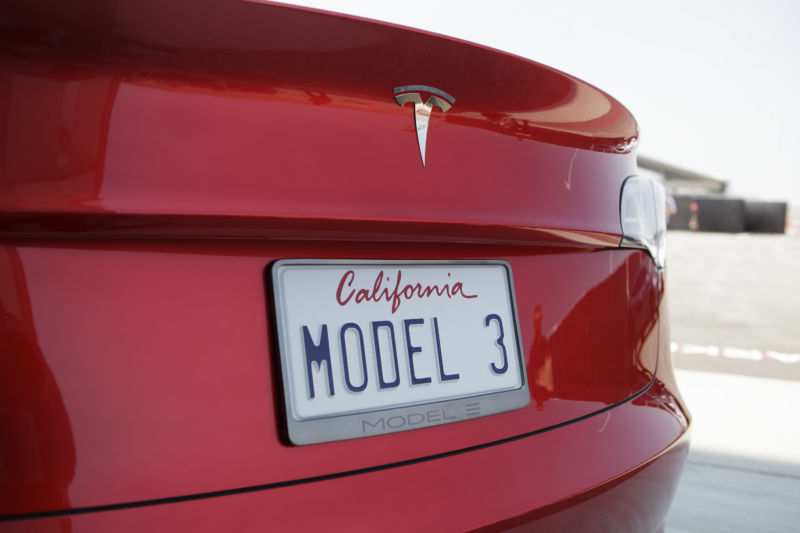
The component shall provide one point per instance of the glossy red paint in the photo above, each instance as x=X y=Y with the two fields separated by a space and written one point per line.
x=574 y=478
x=162 y=360
x=135 y=109
x=156 y=160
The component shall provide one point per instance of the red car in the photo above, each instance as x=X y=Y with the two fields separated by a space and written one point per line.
x=267 y=268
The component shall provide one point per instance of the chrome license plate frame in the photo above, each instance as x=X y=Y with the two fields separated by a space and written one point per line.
x=314 y=366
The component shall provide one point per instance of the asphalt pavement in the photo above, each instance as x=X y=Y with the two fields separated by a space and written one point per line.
x=737 y=291
x=735 y=315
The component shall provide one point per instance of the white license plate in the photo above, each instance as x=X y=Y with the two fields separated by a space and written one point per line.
x=373 y=347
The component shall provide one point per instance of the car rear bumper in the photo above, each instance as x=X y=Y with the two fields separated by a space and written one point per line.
x=573 y=477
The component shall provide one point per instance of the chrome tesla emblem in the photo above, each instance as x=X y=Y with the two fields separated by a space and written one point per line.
x=422 y=111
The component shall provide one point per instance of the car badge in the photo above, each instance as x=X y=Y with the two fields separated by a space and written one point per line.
x=422 y=112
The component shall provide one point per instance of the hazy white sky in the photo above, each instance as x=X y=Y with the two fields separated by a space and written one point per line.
x=713 y=84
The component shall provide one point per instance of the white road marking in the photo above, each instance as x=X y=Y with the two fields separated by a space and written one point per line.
x=735 y=353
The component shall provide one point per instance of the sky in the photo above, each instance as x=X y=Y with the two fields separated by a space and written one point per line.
x=713 y=84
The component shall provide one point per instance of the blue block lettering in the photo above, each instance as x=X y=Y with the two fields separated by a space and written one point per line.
x=382 y=383
x=498 y=369
x=318 y=353
x=354 y=327
x=442 y=375
x=413 y=350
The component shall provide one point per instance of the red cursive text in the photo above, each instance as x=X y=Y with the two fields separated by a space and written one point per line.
x=378 y=292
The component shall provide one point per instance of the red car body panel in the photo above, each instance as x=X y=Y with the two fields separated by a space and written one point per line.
x=166 y=116
x=175 y=398
x=158 y=158
x=526 y=487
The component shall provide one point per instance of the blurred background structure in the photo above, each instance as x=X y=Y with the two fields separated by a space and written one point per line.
x=701 y=203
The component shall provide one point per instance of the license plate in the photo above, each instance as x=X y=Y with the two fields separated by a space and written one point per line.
x=374 y=347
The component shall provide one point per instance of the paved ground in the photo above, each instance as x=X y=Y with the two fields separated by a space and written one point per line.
x=735 y=290
x=743 y=471
x=716 y=498
x=735 y=312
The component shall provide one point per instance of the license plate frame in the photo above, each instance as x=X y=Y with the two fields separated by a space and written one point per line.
x=302 y=429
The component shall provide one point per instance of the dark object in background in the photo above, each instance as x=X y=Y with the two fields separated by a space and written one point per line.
x=725 y=215
x=765 y=217
x=728 y=215
x=680 y=219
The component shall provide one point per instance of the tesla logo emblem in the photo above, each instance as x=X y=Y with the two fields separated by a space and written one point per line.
x=422 y=111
